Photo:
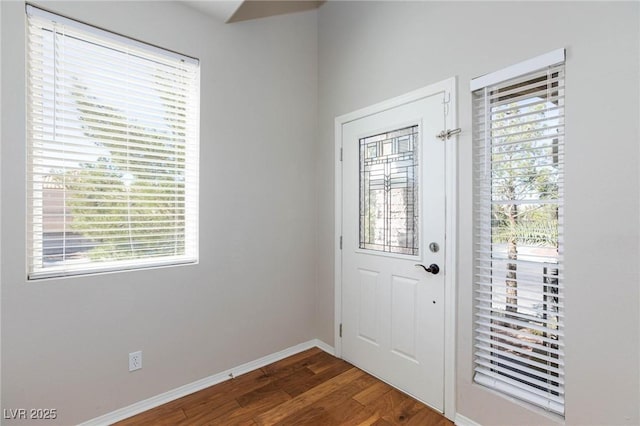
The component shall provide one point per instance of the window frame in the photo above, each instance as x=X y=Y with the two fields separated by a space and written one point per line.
x=490 y=363
x=186 y=185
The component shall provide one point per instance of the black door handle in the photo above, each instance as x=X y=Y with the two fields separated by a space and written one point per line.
x=433 y=268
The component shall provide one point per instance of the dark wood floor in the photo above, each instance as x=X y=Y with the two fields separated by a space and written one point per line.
x=309 y=388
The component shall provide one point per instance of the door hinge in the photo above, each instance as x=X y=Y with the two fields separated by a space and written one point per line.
x=446 y=134
x=340 y=242
x=340 y=154
x=340 y=329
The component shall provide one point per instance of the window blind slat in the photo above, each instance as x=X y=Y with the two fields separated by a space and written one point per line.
x=43 y=108
x=491 y=272
x=516 y=350
x=522 y=372
x=498 y=294
x=544 y=324
x=484 y=277
x=499 y=333
x=77 y=56
x=523 y=263
x=525 y=391
x=506 y=111
x=498 y=338
x=171 y=166
x=515 y=320
x=107 y=99
x=533 y=85
x=486 y=335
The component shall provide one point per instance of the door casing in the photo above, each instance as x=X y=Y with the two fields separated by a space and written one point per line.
x=450 y=120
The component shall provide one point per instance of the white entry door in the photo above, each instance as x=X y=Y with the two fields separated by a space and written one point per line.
x=393 y=228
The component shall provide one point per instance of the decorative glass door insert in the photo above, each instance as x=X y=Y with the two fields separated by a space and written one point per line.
x=389 y=192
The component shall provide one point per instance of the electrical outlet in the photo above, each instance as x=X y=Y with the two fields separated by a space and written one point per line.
x=135 y=361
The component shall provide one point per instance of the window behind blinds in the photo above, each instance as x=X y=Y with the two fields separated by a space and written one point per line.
x=518 y=270
x=112 y=133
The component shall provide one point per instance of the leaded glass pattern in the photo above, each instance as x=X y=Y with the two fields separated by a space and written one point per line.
x=389 y=192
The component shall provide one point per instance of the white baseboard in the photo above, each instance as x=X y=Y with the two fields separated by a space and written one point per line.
x=147 y=404
x=461 y=420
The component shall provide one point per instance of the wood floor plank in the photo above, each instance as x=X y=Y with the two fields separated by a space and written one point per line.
x=404 y=412
x=305 y=399
x=351 y=413
x=333 y=404
x=309 y=388
x=224 y=391
x=427 y=416
x=228 y=391
x=254 y=405
x=321 y=362
x=157 y=416
x=382 y=406
x=205 y=413
x=256 y=395
x=309 y=416
x=381 y=422
x=372 y=393
x=297 y=382
x=241 y=384
x=300 y=387
x=234 y=422
x=291 y=364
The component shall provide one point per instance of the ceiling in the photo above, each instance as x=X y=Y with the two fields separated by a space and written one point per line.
x=242 y=10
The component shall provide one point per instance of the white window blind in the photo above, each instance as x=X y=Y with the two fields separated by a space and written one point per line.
x=518 y=227
x=112 y=151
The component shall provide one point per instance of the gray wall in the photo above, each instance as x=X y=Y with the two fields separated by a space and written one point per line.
x=65 y=342
x=371 y=51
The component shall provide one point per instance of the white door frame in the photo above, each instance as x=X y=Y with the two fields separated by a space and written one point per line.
x=448 y=89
